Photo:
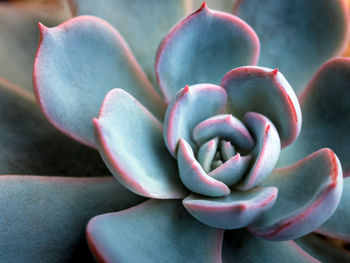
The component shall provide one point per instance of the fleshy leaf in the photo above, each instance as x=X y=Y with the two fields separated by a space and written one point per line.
x=232 y=170
x=154 y=19
x=266 y=150
x=216 y=164
x=191 y=106
x=206 y=154
x=202 y=48
x=43 y=219
x=130 y=141
x=30 y=145
x=337 y=226
x=19 y=38
x=77 y=63
x=264 y=91
x=227 y=150
x=154 y=231
x=236 y=210
x=325 y=106
x=323 y=250
x=297 y=36
x=227 y=127
x=241 y=246
x=308 y=194
x=194 y=177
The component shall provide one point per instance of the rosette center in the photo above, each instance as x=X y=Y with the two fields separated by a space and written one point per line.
x=228 y=154
x=223 y=155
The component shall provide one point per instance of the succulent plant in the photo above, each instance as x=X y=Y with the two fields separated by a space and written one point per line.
x=202 y=137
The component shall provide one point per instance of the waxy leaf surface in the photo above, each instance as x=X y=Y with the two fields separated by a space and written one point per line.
x=326 y=119
x=43 y=219
x=142 y=23
x=308 y=194
x=191 y=105
x=30 y=145
x=77 y=63
x=267 y=92
x=154 y=231
x=130 y=140
x=201 y=48
x=236 y=210
x=297 y=36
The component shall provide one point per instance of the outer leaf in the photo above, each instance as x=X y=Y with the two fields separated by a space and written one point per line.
x=142 y=23
x=30 y=145
x=19 y=38
x=194 y=177
x=308 y=194
x=264 y=91
x=323 y=250
x=266 y=151
x=155 y=231
x=242 y=246
x=130 y=141
x=202 y=48
x=236 y=210
x=43 y=219
x=338 y=224
x=325 y=105
x=297 y=36
x=77 y=63
x=191 y=106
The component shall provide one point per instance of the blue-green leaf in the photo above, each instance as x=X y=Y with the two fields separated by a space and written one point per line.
x=308 y=194
x=241 y=246
x=77 y=63
x=155 y=231
x=30 y=145
x=201 y=48
x=325 y=106
x=236 y=210
x=297 y=36
x=43 y=219
x=130 y=141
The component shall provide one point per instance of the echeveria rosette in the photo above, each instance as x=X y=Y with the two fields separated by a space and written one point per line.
x=156 y=210
x=143 y=165
x=225 y=211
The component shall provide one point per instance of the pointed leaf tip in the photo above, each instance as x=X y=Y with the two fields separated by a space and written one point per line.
x=179 y=124
x=186 y=89
x=83 y=43
x=309 y=48
x=191 y=50
x=203 y=6
x=42 y=28
x=244 y=83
